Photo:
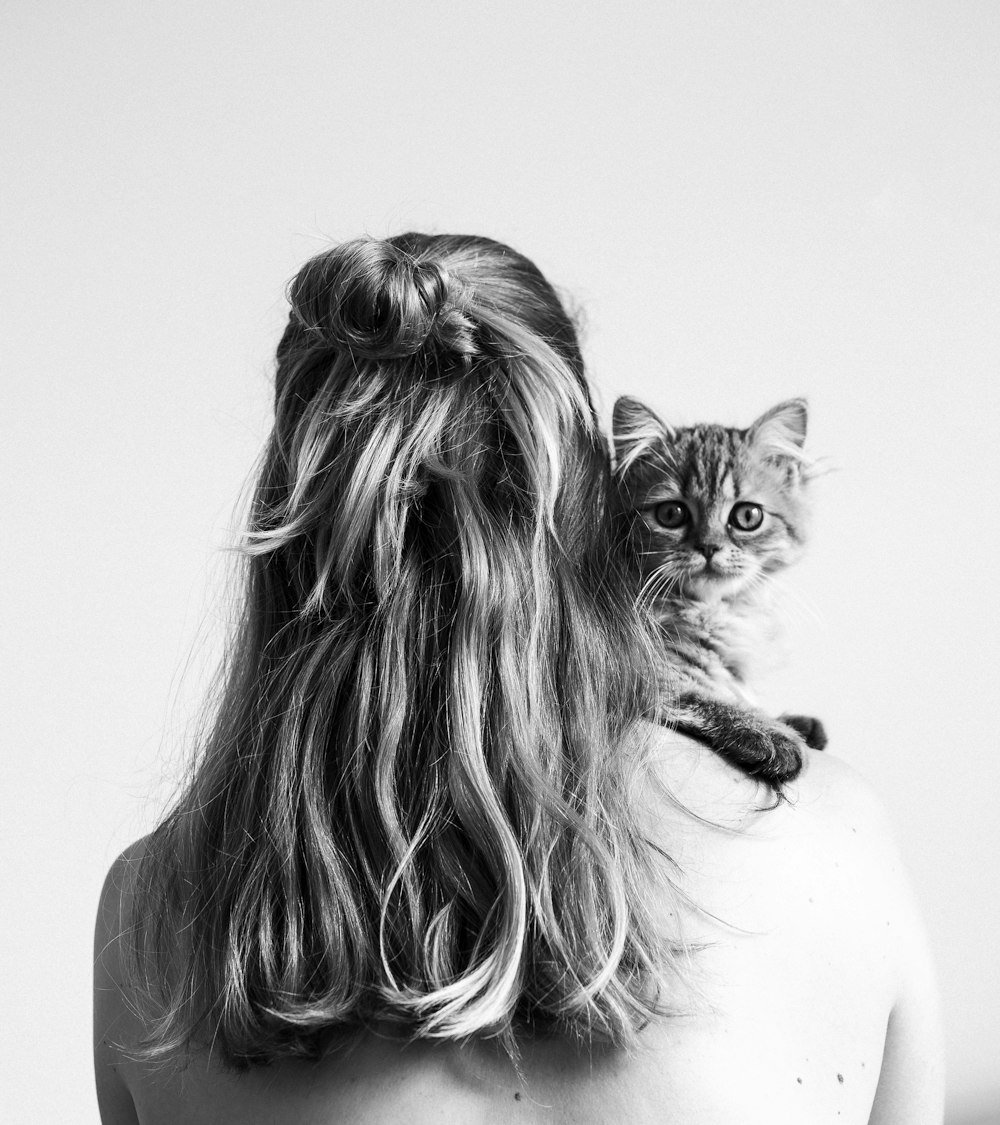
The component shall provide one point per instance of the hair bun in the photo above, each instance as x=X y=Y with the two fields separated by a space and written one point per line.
x=376 y=300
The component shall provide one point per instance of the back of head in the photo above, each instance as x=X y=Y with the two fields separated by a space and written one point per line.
x=414 y=804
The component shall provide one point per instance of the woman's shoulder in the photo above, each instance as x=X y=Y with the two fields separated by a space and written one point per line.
x=803 y=907
x=823 y=856
x=116 y=1022
x=831 y=788
x=840 y=819
x=853 y=818
x=113 y=934
x=828 y=795
x=114 y=904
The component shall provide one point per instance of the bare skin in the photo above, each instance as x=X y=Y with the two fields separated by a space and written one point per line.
x=812 y=1002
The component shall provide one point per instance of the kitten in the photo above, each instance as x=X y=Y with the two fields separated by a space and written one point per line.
x=713 y=512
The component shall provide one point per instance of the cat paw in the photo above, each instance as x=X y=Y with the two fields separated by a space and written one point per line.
x=780 y=756
x=766 y=752
x=812 y=731
x=755 y=743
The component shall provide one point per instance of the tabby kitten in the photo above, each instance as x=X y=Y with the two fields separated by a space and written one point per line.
x=713 y=513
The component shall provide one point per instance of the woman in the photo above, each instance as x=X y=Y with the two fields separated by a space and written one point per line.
x=434 y=863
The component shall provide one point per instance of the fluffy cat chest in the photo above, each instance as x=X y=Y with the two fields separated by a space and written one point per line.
x=716 y=643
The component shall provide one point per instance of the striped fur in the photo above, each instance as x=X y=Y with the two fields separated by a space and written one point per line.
x=684 y=493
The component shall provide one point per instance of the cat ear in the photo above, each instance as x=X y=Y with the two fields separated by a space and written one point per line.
x=637 y=433
x=781 y=431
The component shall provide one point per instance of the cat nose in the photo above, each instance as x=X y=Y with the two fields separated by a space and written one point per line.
x=709 y=549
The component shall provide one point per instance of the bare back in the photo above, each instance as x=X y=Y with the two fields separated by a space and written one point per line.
x=809 y=950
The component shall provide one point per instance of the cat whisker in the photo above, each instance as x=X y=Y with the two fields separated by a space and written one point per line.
x=658 y=585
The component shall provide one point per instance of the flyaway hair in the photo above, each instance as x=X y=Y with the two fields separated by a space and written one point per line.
x=415 y=803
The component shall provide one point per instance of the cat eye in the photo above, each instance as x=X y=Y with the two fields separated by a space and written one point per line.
x=746 y=516
x=671 y=514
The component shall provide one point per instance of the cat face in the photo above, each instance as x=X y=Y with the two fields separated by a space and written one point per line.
x=713 y=510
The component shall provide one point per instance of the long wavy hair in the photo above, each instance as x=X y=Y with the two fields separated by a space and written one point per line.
x=416 y=803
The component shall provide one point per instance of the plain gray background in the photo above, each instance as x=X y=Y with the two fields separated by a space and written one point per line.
x=749 y=200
